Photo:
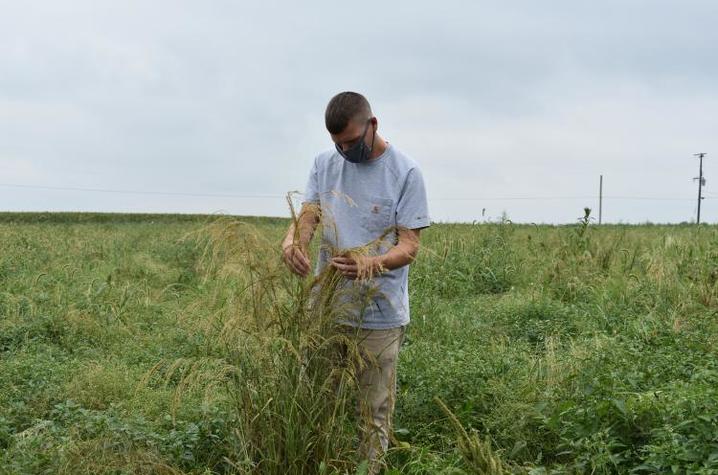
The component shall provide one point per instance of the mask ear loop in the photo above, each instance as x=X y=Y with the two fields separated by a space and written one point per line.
x=373 y=136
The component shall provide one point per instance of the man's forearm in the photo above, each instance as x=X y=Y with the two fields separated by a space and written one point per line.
x=307 y=223
x=396 y=257
x=363 y=267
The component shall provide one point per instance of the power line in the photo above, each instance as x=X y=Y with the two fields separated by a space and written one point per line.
x=233 y=195
x=141 y=192
x=648 y=198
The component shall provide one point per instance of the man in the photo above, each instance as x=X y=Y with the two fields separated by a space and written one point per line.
x=368 y=195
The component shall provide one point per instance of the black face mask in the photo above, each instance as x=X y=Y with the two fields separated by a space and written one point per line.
x=359 y=152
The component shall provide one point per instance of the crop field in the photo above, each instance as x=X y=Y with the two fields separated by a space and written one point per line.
x=169 y=344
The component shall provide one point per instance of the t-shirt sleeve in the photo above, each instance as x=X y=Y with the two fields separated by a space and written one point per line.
x=311 y=191
x=412 y=209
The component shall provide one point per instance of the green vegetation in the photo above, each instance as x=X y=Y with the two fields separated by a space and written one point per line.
x=180 y=344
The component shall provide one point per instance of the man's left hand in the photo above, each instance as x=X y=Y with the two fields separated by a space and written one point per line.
x=359 y=267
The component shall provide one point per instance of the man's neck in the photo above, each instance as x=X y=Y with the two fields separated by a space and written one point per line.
x=379 y=147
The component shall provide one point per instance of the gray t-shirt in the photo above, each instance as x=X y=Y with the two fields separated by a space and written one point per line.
x=359 y=203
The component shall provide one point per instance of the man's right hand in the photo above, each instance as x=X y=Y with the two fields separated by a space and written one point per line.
x=296 y=259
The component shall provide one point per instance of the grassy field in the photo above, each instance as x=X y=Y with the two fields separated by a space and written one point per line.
x=178 y=344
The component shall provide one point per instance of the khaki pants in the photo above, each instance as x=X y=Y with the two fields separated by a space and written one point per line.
x=376 y=375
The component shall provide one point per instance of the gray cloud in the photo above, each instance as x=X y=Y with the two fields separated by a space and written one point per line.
x=493 y=99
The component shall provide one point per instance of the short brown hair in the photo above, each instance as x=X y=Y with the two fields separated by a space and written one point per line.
x=344 y=107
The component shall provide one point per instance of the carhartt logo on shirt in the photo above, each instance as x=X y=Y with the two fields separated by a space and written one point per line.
x=375 y=209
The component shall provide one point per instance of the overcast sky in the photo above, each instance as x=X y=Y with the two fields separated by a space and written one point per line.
x=506 y=106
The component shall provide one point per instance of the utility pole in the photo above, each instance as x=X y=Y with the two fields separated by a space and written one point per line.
x=600 y=199
x=701 y=183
